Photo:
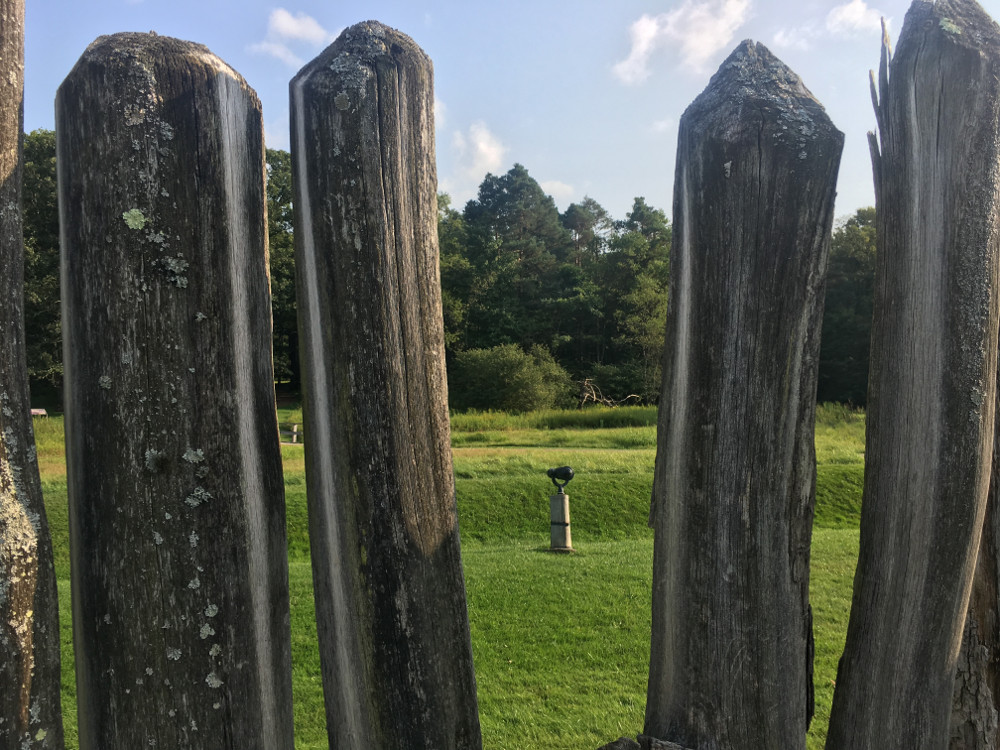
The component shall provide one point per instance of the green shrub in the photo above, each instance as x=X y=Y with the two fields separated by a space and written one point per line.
x=587 y=418
x=509 y=379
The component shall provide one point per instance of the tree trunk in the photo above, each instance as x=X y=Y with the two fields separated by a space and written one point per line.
x=734 y=486
x=932 y=380
x=390 y=595
x=30 y=709
x=180 y=577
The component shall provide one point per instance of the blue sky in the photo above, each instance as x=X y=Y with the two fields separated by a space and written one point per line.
x=585 y=94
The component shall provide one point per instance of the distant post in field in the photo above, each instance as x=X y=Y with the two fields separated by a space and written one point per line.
x=932 y=382
x=179 y=561
x=734 y=483
x=390 y=595
x=30 y=707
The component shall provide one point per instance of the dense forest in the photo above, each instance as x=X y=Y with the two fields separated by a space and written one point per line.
x=541 y=308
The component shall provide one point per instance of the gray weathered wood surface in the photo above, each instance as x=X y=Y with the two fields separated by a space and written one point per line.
x=974 y=719
x=179 y=561
x=390 y=594
x=932 y=379
x=30 y=715
x=733 y=492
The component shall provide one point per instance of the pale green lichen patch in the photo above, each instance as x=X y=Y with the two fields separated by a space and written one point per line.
x=105 y=382
x=134 y=218
x=211 y=610
x=154 y=460
x=215 y=650
x=206 y=631
x=193 y=539
x=174 y=654
x=175 y=267
x=199 y=496
x=194 y=455
x=213 y=681
x=948 y=25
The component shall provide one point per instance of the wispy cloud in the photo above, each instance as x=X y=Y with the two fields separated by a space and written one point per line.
x=852 y=18
x=479 y=151
x=663 y=126
x=475 y=152
x=698 y=28
x=440 y=114
x=560 y=191
x=285 y=29
x=797 y=38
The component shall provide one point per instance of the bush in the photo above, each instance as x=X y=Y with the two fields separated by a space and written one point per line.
x=508 y=379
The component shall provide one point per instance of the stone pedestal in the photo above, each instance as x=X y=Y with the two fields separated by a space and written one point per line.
x=560 y=536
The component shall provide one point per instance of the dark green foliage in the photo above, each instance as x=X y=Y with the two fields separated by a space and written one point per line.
x=282 y=267
x=506 y=377
x=42 y=315
x=590 y=290
x=43 y=328
x=847 y=317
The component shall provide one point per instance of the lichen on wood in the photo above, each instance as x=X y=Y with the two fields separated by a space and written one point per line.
x=173 y=460
x=734 y=482
x=30 y=706
x=390 y=597
x=932 y=381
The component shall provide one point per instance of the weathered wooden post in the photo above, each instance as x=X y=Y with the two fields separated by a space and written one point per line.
x=30 y=711
x=733 y=492
x=932 y=379
x=180 y=577
x=975 y=723
x=390 y=595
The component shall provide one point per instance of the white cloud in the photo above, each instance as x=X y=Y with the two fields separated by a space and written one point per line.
x=663 y=126
x=285 y=29
x=440 y=113
x=798 y=38
x=853 y=17
x=479 y=151
x=280 y=51
x=284 y=25
x=560 y=191
x=698 y=28
x=474 y=152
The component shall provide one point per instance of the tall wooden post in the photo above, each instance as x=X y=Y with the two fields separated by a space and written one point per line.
x=390 y=595
x=30 y=712
x=932 y=379
x=733 y=492
x=975 y=721
x=180 y=577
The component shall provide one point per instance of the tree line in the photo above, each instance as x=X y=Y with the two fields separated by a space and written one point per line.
x=541 y=308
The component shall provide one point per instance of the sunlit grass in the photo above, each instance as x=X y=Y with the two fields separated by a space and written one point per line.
x=561 y=643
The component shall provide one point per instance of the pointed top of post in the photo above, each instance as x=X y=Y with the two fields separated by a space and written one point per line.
x=752 y=78
x=364 y=45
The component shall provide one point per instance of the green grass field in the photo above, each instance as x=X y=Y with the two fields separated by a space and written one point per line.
x=561 y=643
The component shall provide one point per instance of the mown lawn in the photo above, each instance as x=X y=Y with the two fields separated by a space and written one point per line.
x=561 y=643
